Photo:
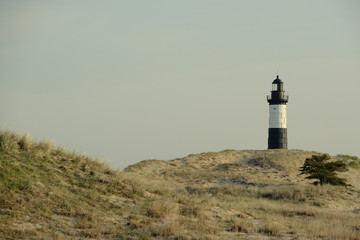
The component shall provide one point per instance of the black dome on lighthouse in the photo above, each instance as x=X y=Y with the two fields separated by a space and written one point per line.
x=277 y=94
x=277 y=80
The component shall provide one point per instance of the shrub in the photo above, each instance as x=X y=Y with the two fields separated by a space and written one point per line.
x=347 y=157
x=353 y=161
x=354 y=164
x=319 y=167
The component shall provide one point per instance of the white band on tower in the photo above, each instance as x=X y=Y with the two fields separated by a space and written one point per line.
x=277 y=115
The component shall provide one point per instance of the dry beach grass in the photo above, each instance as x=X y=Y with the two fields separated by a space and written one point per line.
x=47 y=192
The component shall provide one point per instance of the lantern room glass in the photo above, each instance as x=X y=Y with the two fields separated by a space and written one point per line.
x=274 y=87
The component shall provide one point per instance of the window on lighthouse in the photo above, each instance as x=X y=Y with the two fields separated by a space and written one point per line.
x=274 y=87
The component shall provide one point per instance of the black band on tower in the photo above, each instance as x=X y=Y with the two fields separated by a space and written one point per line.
x=277 y=138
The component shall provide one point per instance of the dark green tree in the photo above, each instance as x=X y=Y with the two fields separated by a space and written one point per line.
x=320 y=167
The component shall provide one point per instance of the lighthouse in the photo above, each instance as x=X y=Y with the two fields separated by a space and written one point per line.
x=277 y=119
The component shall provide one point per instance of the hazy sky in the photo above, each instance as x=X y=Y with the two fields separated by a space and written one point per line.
x=126 y=81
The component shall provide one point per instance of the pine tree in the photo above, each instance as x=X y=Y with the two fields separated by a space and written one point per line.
x=320 y=167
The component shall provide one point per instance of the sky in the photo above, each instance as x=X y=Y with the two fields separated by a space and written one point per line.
x=125 y=81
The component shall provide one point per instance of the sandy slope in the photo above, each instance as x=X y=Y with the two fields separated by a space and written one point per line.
x=49 y=193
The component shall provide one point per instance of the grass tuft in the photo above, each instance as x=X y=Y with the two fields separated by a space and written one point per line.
x=271 y=228
x=240 y=226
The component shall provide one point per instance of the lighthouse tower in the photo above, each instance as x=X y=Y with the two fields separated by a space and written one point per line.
x=277 y=120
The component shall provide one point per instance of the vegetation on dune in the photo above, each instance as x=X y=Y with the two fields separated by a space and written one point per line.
x=322 y=168
x=353 y=161
x=49 y=193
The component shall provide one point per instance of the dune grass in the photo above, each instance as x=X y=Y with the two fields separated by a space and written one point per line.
x=50 y=193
